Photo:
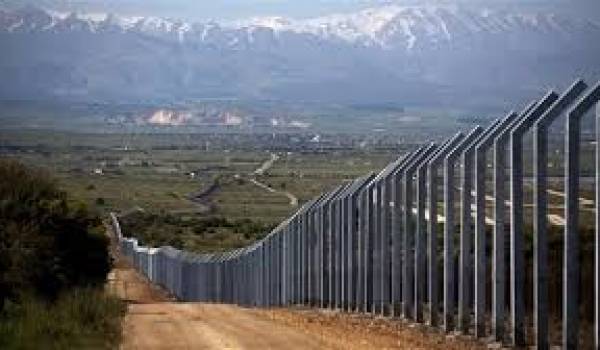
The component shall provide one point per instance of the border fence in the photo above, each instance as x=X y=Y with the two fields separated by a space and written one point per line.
x=376 y=244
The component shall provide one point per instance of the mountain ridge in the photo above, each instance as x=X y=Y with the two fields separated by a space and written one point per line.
x=414 y=55
x=372 y=26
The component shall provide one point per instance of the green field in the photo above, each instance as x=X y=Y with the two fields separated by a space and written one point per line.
x=160 y=174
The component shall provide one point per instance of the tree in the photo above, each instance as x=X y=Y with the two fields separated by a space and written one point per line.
x=47 y=242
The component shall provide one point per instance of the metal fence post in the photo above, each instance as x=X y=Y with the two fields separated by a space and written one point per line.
x=396 y=239
x=498 y=254
x=319 y=256
x=278 y=267
x=323 y=254
x=449 y=230
x=297 y=258
x=540 y=236
x=316 y=251
x=343 y=252
x=385 y=245
x=340 y=251
x=281 y=268
x=378 y=249
x=324 y=260
x=409 y=233
x=359 y=298
x=517 y=254
x=331 y=257
x=355 y=242
x=465 y=271
x=368 y=265
x=396 y=188
x=318 y=214
x=309 y=257
x=291 y=255
x=597 y=240
x=571 y=270
x=289 y=282
x=341 y=198
x=362 y=251
x=480 y=234
x=284 y=264
x=383 y=182
x=432 y=201
x=420 y=255
x=351 y=249
x=267 y=275
x=305 y=255
x=273 y=268
x=369 y=246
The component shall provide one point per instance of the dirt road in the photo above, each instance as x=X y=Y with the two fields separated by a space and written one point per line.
x=261 y=171
x=266 y=165
x=153 y=321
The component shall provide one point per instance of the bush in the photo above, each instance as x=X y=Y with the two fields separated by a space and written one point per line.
x=85 y=318
x=199 y=234
x=47 y=243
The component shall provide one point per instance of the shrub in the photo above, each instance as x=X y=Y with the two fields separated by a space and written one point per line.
x=84 y=318
x=47 y=243
x=199 y=234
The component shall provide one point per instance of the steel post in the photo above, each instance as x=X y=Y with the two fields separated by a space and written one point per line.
x=449 y=229
x=540 y=235
x=465 y=271
x=517 y=254
x=480 y=234
x=571 y=269
x=409 y=226
x=432 y=202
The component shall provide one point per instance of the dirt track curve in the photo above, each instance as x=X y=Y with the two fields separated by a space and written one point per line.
x=153 y=321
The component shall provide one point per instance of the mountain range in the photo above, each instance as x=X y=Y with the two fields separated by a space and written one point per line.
x=414 y=55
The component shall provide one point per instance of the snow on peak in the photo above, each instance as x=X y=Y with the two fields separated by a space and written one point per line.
x=92 y=17
x=276 y=23
x=371 y=26
x=384 y=26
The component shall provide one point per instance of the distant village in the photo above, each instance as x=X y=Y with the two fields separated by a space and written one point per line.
x=212 y=116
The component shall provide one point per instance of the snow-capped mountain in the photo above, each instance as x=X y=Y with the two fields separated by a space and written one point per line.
x=396 y=26
x=385 y=27
x=382 y=53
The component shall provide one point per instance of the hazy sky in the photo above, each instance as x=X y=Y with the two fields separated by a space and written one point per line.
x=232 y=9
